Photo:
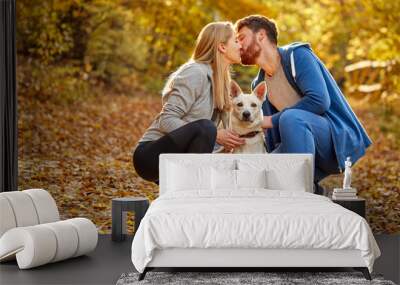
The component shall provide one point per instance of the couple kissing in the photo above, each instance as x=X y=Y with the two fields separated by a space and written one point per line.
x=295 y=105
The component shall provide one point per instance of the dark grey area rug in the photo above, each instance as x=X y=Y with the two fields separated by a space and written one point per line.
x=230 y=278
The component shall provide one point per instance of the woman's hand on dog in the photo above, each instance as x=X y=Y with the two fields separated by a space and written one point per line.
x=229 y=139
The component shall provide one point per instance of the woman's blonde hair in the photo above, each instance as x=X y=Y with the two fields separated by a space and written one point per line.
x=206 y=51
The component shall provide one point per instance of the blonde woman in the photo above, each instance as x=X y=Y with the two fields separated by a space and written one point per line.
x=193 y=99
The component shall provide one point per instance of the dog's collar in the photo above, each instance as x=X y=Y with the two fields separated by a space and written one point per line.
x=249 y=135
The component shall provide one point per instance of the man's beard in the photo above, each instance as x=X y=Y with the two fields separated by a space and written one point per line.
x=250 y=55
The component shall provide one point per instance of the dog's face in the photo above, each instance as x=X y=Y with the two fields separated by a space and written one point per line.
x=247 y=107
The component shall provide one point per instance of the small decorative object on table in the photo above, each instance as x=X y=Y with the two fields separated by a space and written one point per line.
x=347 y=196
x=120 y=206
x=347 y=192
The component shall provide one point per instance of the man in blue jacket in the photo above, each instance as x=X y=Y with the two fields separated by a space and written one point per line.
x=305 y=111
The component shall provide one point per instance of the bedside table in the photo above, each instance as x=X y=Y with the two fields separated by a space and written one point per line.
x=355 y=205
x=119 y=207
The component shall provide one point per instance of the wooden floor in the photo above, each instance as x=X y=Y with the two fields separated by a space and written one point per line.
x=111 y=259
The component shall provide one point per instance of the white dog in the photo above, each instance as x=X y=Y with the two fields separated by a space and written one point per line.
x=246 y=117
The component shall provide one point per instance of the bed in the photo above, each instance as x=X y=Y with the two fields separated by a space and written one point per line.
x=247 y=210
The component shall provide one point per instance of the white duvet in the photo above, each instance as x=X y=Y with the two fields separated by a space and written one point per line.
x=253 y=218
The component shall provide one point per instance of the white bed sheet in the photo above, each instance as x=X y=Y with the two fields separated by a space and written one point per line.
x=251 y=218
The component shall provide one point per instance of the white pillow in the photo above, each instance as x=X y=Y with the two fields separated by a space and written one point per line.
x=293 y=180
x=280 y=175
x=223 y=179
x=183 y=177
x=251 y=178
x=229 y=179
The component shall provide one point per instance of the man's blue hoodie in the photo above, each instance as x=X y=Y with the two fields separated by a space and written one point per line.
x=320 y=95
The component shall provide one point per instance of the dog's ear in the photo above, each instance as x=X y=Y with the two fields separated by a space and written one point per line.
x=235 y=89
x=261 y=90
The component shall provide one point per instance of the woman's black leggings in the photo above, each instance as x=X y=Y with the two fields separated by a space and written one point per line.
x=194 y=137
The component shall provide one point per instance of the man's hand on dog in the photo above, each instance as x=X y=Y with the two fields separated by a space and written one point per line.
x=229 y=139
x=267 y=122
